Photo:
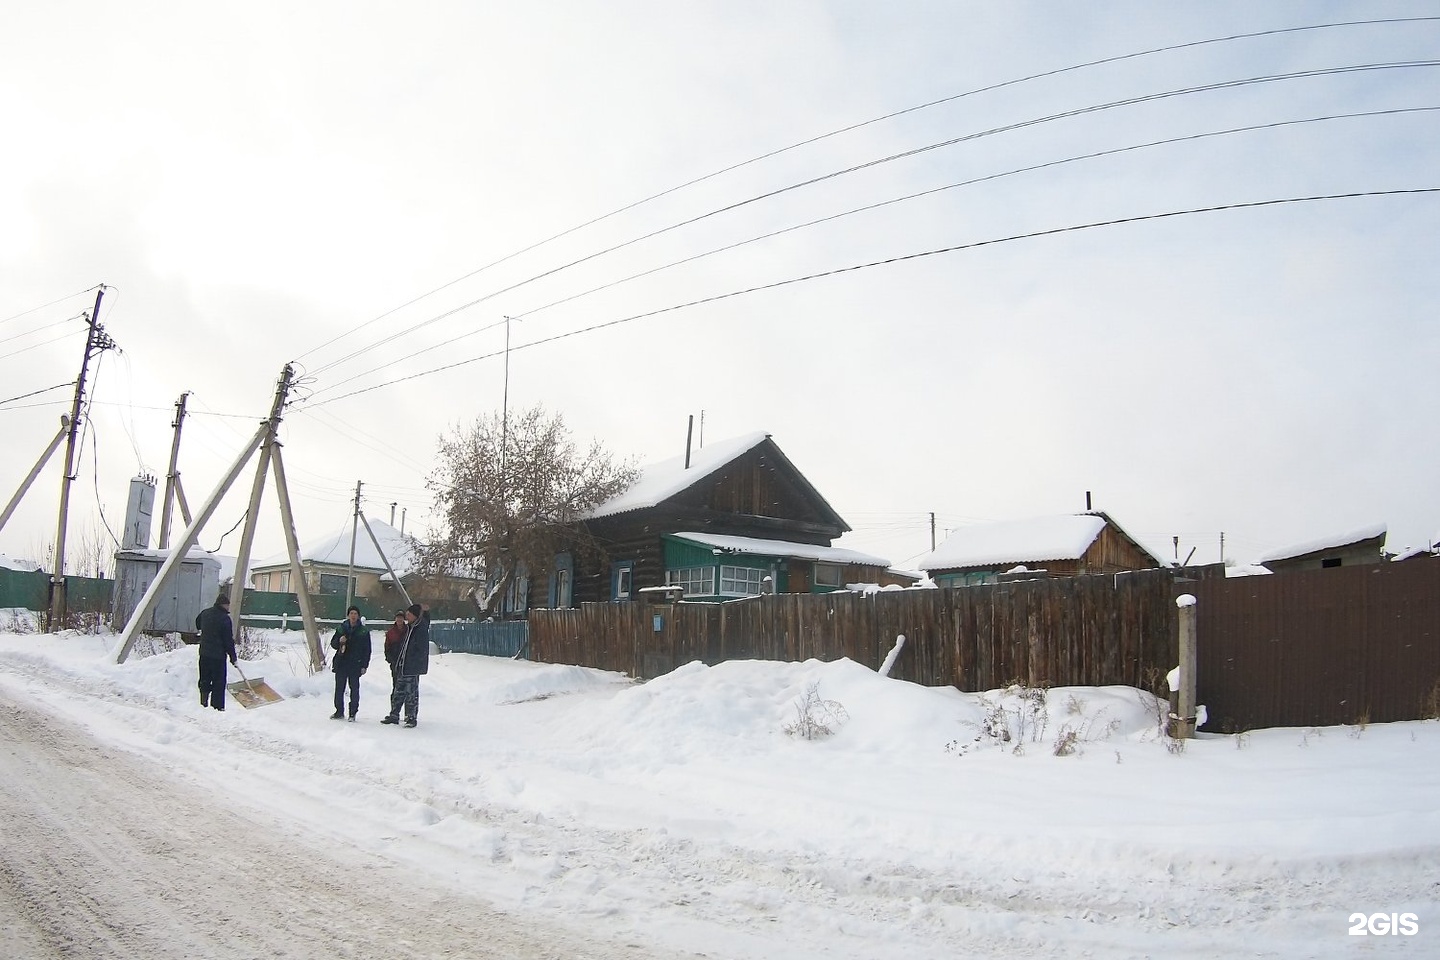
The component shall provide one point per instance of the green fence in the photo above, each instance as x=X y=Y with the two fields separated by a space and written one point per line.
x=262 y=608
x=30 y=590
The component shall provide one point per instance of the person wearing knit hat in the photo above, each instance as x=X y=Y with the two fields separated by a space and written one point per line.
x=217 y=642
x=412 y=661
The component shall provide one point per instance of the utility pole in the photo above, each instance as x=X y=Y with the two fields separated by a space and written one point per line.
x=97 y=340
x=267 y=444
x=172 y=476
x=932 y=531
x=35 y=470
x=257 y=489
x=354 y=531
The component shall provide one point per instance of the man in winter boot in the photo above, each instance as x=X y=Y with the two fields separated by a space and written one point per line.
x=351 y=644
x=411 y=663
x=217 y=642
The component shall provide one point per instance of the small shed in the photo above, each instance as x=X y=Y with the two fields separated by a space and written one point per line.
x=1350 y=548
x=1064 y=546
x=192 y=588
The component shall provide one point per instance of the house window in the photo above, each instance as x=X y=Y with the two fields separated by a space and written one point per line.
x=333 y=584
x=829 y=575
x=1330 y=562
x=562 y=581
x=741 y=581
x=622 y=580
x=697 y=581
x=284 y=581
x=517 y=595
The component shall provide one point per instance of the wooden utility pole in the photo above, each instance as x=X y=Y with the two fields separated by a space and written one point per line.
x=257 y=490
x=35 y=471
x=354 y=532
x=187 y=540
x=385 y=560
x=932 y=531
x=297 y=572
x=172 y=476
x=265 y=441
x=96 y=340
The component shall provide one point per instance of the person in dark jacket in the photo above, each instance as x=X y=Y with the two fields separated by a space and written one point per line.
x=411 y=663
x=217 y=642
x=394 y=639
x=351 y=644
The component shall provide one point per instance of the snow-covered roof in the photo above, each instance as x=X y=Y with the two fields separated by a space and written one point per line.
x=14 y=563
x=663 y=479
x=1411 y=552
x=156 y=553
x=1333 y=542
x=335 y=549
x=783 y=548
x=1010 y=542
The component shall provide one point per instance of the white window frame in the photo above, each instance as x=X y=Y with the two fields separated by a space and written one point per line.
x=839 y=572
x=697 y=581
x=754 y=576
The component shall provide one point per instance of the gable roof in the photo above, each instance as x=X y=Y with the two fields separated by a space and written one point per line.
x=1333 y=542
x=335 y=550
x=782 y=548
x=664 y=479
x=1065 y=537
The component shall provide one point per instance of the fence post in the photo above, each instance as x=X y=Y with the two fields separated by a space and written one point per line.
x=1184 y=723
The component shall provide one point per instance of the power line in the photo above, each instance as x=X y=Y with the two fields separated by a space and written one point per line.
x=886 y=262
x=856 y=126
x=902 y=155
x=934 y=190
x=43 y=343
x=26 y=313
x=36 y=393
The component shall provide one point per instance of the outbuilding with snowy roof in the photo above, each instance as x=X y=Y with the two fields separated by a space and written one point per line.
x=1064 y=546
x=1347 y=548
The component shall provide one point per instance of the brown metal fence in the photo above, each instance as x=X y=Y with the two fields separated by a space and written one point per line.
x=1091 y=630
x=1320 y=647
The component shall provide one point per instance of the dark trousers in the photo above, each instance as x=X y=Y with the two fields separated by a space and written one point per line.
x=406 y=693
x=353 y=681
x=212 y=682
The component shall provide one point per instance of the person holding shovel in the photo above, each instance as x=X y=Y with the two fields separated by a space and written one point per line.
x=351 y=644
x=217 y=642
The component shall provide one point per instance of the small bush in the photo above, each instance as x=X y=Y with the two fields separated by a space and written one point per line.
x=252 y=645
x=815 y=718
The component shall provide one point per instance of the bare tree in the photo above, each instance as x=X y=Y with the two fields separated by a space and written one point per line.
x=511 y=494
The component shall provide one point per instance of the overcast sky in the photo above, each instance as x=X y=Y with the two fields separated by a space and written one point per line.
x=260 y=183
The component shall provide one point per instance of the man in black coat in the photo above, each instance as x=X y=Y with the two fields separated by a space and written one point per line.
x=352 y=658
x=412 y=662
x=217 y=642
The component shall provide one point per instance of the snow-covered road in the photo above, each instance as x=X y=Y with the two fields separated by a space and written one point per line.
x=542 y=810
x=103 y=854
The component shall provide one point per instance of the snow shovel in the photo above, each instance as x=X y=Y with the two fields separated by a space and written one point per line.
x=252 y=693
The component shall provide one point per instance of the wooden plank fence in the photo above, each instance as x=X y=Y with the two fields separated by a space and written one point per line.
x=1320 y=648
x=1092 y=630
